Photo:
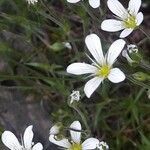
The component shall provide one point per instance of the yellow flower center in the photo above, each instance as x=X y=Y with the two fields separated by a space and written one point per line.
x=130 y=22
x=104 y=71
x=76 y=146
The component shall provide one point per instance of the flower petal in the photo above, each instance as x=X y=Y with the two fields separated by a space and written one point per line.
x=73 y=1
x=54 y=129
x=10 y=140
x=116 y=7
x=114 y=51
x=28 y=137
x=125 y=33
x=62 y=143
x=139 y=18
x=94 y=3
x=134 y=6
x=92 y=85
x=93 y=43
x=116 y=75
x=112 y=25
x=90 y=143
x=38 y=146
x=76 y=135
x=81 y=68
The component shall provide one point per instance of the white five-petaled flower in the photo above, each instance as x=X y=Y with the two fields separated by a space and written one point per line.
x=93 y=3
x=75 y=143
x=127 y=19
x=10 y=140
x=32 y=2
x=101 y=67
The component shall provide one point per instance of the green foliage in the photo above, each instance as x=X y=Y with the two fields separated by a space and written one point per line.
x=118 y=113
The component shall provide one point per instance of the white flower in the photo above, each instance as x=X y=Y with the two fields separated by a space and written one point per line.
x=32 y=1
x=102 y=146
x=75 y=143
x=101 y=68
x=10 y=140
x=55 y=129
x=75 y=96
x=127 y=19
x=93 y=3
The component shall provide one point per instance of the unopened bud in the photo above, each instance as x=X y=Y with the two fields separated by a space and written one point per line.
x=141 y=76
x=75 y=96
x=131 y=54
x=102 y=146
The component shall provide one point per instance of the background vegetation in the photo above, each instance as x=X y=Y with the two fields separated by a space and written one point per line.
x=33 y=60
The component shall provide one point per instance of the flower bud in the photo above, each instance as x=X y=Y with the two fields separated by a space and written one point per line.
x=131 y=54
x=75 y=96
x=141 y=76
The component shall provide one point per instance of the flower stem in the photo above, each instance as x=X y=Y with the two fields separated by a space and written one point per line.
x=142 y=90
x=90 y=13
x=50 y=16
x=134 y=81
x=144 y=65
x=141 y=29
x=83 y=118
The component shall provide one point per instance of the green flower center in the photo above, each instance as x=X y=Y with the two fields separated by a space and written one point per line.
x=76 y=146
x=130 y=22
x=104 y=71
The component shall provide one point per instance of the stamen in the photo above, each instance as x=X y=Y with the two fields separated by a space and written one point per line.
x=76 y=146
x=130 y=22
x=104 y=71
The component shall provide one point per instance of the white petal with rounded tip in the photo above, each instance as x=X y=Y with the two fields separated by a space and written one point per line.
x=90 y=143
x=116 y=7
x=112 y=25
x=76 y=135
x=81 y=68
x=62 y=143
x=10 y=140
x=28 y=137
x=92 y=85
x=139 y=18
x=73 y=1
x=116 y=75
x=94 y=3
x=114 y=51
x=134 y=6
x=93 y=43
x=38 y=146
x=125 y=33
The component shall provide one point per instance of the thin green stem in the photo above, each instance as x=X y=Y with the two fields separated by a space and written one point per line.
x=142 y=90
x=146 y=34
x=83 y=118
x=50 y=16
x=101 y=11
x=90 y=13
x=144 y=65
x=131 y=79
x=142 y=41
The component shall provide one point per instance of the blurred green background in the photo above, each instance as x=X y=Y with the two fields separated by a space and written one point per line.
x=33 y=80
